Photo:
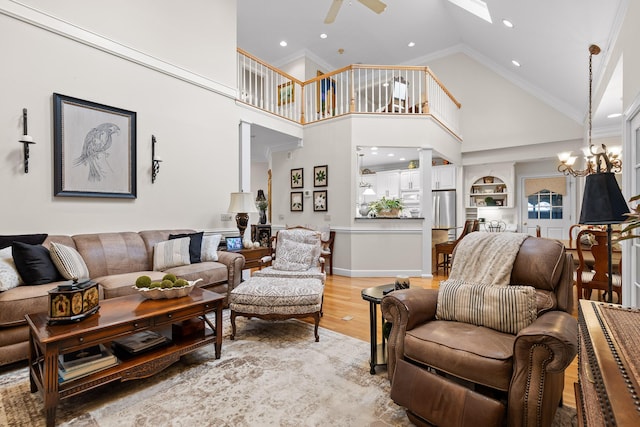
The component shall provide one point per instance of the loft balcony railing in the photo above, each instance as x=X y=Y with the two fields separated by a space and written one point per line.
x=356 y=89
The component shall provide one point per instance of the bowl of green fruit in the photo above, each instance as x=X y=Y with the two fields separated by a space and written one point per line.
x=169 y=287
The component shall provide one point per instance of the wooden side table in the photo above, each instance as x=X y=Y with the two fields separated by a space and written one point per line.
x=252 y=257
x=378 y=352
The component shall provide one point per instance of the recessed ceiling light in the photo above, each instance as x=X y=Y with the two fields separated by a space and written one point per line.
x=323 y=36
x=411 y=44
x=402 y=159
x=614 y=115
x=374 y=148
x=390 y=155
x=507 y=23
x=514 y=62
x=283 y=43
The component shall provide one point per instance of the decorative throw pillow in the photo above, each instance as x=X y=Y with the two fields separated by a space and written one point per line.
x=294 y=256
x=503 y=308
x=34 y=264
x=171 y=253
x=195 y=244
x=32 y=239
x=9 y=277
x=69 y=262
x=210 y=245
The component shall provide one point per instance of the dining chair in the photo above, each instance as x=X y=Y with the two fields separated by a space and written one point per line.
x=496 y=226
x=446 y=248
x=595 y=276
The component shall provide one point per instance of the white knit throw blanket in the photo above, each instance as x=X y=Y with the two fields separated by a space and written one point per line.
x=486 y=257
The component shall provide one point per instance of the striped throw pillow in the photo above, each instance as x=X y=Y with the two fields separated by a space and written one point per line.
x=69 y=262
x=171 y=253
x=503 y=308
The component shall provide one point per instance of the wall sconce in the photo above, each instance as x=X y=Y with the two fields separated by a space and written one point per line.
x=26 y=139
x=155 y=160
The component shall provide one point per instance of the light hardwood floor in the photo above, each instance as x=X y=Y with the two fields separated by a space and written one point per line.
x=346 y=312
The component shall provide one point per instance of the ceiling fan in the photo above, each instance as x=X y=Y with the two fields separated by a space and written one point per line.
x=375 y=5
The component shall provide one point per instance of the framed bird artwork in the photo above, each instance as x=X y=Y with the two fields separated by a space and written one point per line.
x=94 y=149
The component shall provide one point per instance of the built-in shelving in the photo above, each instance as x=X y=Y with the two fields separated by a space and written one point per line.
x=488 y=191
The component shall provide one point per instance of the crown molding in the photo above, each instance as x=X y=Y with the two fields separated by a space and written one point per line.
x=32 y=16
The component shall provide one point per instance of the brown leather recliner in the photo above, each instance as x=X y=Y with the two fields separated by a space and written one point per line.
x=449 y=373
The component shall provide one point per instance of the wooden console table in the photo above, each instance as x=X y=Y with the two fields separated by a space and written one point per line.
x=117 y=318
x=608 y=387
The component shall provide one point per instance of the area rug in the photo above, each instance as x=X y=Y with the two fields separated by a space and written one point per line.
x=273 y=374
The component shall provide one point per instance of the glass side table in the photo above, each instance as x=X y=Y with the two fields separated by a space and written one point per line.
x=378 y=352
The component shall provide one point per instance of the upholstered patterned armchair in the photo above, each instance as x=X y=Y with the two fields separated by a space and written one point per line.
x=471 y=373
x=297 y=254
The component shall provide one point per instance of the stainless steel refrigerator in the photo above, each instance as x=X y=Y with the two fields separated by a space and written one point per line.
x=444 y=209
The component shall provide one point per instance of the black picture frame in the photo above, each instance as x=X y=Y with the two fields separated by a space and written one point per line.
x=261 y=233
x=321 y=176
x=297 y=178
x=296 y=201
x=320 y=201
x=94 y=149
x=234 y=243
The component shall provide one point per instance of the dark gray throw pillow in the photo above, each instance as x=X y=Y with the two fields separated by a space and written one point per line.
x=195 y=245
x=32 y=239
x=34 y=264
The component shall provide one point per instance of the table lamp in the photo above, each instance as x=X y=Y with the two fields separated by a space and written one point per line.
x=603 y=204
x=242 y=204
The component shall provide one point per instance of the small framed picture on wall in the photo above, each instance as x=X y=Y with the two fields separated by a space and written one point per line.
x=320 y=201
x=297 y=178
x=296 y=201
x=320 y=176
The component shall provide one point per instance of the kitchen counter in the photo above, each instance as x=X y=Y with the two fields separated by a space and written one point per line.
x=382 y=217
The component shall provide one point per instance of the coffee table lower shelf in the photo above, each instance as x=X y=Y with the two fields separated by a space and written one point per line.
x=118 y=317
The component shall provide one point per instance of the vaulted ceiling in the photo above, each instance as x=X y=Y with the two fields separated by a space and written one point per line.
x=549 y=38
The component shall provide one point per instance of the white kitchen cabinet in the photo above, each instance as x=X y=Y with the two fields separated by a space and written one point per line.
x=388 y=184
x=410 y=179
x=443 y=177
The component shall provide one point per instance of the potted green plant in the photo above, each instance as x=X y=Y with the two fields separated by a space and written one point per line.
x=632 y=222
x=387 y=207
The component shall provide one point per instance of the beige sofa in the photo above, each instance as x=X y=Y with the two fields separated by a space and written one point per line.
x=114 y=260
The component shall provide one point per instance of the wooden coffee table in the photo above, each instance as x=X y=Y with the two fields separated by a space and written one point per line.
x=117 y=318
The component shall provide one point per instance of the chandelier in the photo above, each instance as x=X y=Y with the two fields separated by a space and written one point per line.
x=597 y=159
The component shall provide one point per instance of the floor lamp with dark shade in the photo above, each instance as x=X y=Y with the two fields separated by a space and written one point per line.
x=242 y=204
x=603 y=204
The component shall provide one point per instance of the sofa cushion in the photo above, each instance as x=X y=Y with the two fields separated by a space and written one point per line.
x=69 y=262
x=209 y=249
x=118 y=285
x=34 y=264
x=112 y=253
x=22 y=300
x=503 y=308
x=9 y=277
x=151 y=238
x=32 y=239
x=210 y=272
x=471 y=352
x=195 y=244
x=171 y=253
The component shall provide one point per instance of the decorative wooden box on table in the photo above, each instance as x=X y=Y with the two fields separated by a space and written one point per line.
x=607 y=392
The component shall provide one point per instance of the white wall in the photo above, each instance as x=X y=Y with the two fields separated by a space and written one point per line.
x=495 y=112
x=196 y=127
